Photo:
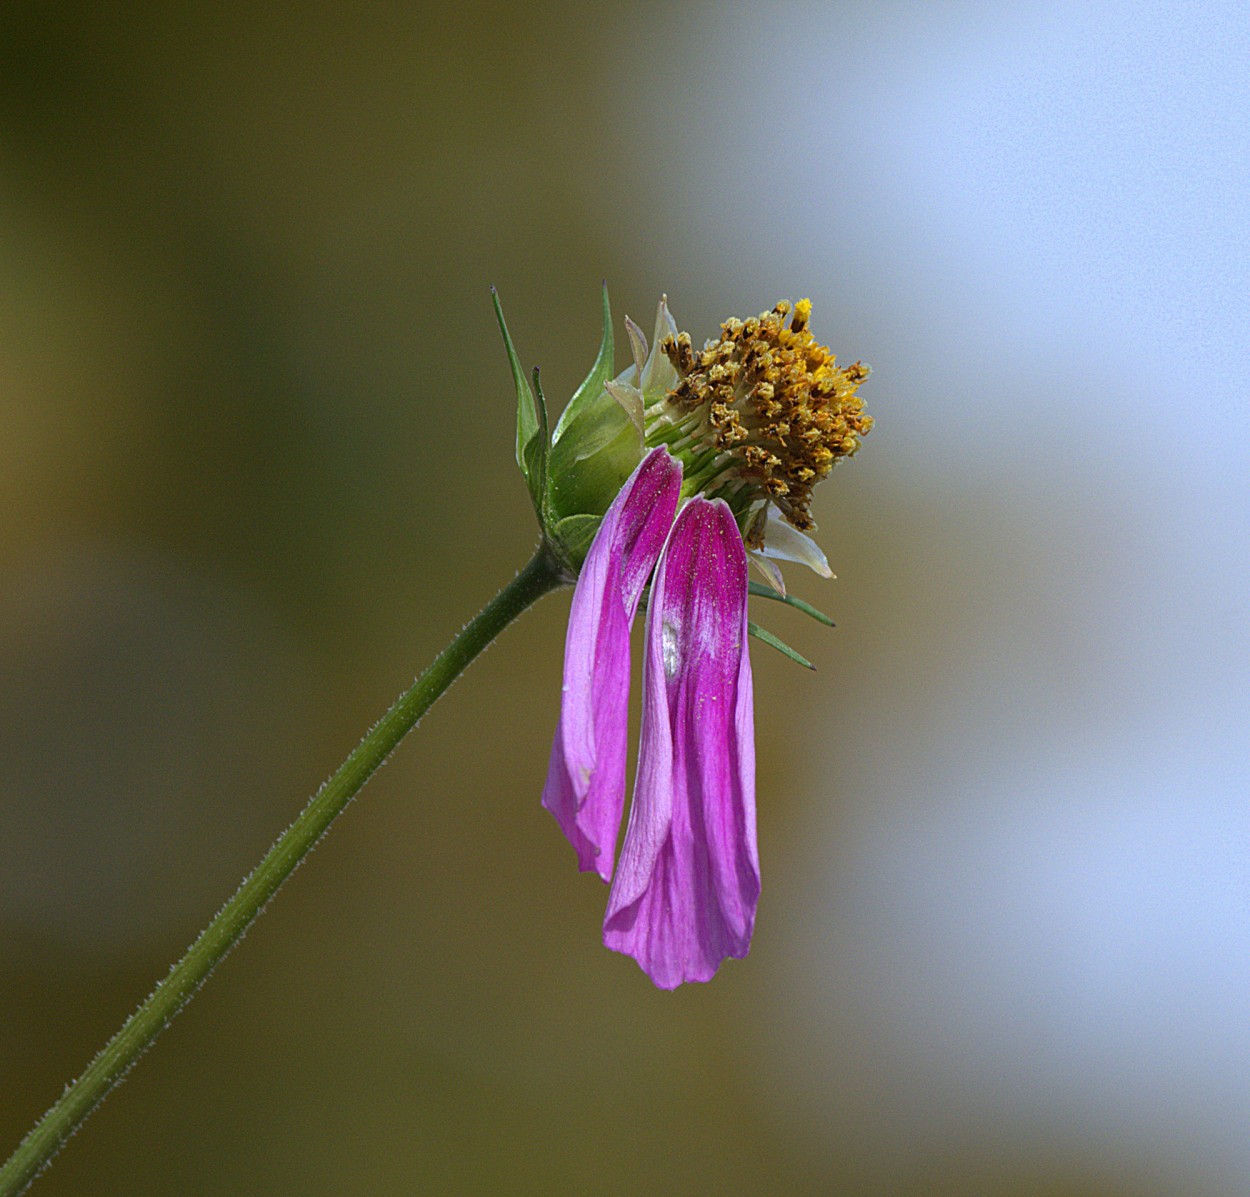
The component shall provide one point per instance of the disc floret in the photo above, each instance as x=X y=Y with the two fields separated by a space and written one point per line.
x=761 y=414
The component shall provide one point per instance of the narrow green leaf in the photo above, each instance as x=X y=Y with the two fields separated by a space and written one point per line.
x=536 y=454
x=761 y=591
x=764 y=635
x=600 y=372
x=531 y=425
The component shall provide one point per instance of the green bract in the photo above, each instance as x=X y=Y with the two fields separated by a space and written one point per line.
x=595 y=447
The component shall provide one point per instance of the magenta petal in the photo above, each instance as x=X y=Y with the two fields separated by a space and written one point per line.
x=688 y=879
x=585 y=788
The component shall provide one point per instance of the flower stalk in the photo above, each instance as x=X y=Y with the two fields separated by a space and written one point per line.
x=543 y=574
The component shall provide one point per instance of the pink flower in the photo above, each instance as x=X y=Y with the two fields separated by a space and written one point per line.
x=743 y=428
x=687 y=883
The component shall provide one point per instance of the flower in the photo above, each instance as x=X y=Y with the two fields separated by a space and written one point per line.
x=738 y=435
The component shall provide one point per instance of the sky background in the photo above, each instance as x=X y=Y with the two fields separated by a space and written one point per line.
x=255 y=460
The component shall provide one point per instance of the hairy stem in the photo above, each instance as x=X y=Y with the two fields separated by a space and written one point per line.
x=137 y=1033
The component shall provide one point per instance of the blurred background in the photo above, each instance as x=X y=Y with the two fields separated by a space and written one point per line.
x=255 y=469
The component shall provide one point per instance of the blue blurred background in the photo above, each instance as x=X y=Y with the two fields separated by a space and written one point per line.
x=255 y=460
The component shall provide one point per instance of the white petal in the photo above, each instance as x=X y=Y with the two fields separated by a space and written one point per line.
x=658 y=375
x=665 y=325
x=787 y=543
x=772 y=575
x=637 y=344
x=630 y=398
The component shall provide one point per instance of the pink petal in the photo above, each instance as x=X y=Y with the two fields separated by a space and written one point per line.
x=585 y=788
x=688 y=879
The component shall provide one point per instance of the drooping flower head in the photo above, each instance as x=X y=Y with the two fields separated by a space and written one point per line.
x=735 y=437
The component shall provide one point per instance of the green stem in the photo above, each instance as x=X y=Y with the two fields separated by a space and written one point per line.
x=35 y=1151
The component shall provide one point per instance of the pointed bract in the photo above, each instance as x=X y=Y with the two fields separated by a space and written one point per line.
x=596 y=445
x=592 y=384
x=688 y=880
x=657 y=374
x=630 y=399
x=585 y=788
x=637 y=347
x=531 y=422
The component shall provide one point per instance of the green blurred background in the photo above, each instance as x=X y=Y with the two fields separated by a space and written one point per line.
x=255 y=465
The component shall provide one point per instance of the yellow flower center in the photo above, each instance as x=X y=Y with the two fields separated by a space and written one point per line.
x=765 y=408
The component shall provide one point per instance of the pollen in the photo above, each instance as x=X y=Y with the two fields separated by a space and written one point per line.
x=772 y=403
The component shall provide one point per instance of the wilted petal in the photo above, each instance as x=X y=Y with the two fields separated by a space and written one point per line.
x=630 y=398
x=585 y=788
x=784 y=542
x=659 y=374
x=637 y=345
x=770 y=570
x=688 y=879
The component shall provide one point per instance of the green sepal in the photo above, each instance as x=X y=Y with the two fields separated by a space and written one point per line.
x=761 y=591
x=766 y=637
x=595 y=446
x=586 y=472
x=572 y=536
x=531 y=421
x=592 y=384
